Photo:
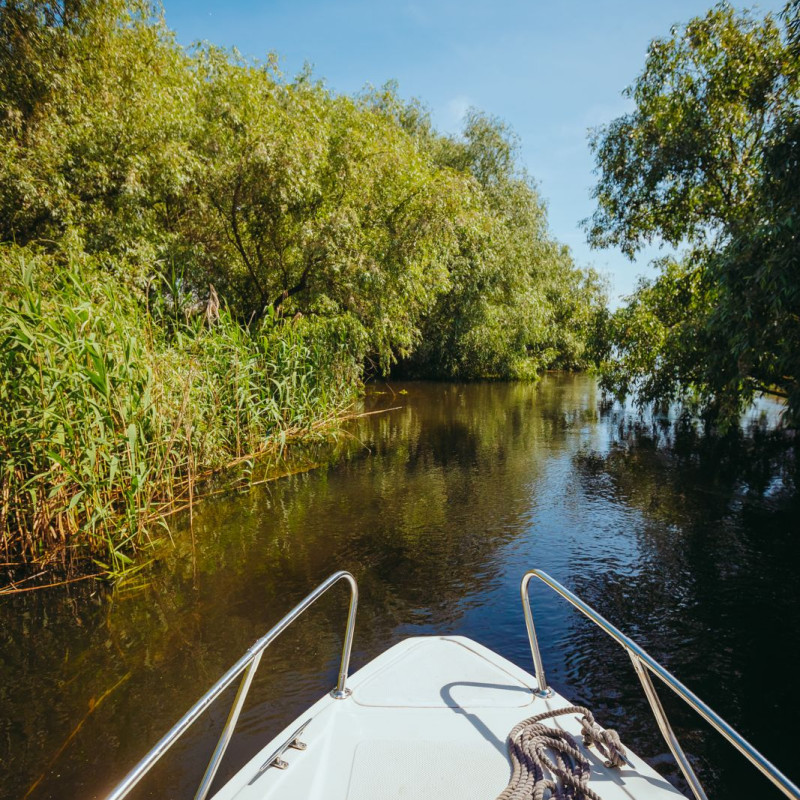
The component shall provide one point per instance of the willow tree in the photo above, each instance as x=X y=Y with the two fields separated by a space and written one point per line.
x=316 y=204
x=95 y=112
x=515 y=302
x=214 y=170
x=704 y=161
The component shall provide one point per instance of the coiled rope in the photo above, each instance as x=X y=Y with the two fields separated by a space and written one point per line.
x=534 y=770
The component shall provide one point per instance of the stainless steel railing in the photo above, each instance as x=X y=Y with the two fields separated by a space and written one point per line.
x=644 y=665
x=248 y=664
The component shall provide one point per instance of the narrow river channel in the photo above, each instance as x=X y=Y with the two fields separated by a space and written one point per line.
x=437 y=507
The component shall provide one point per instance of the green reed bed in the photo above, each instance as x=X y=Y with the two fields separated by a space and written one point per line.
x=109 y=417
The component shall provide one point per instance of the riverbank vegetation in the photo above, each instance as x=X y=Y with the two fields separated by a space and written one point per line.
x=109 y=417
x=201 y=258
x=709 y=161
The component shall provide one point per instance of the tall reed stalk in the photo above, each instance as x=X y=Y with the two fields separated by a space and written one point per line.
x=106 y=416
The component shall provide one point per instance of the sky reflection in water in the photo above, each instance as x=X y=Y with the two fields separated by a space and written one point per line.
x=438 y=508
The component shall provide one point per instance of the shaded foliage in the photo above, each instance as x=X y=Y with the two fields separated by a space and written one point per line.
x=709 y=159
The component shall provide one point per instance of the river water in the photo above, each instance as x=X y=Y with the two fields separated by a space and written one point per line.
x=438 y=507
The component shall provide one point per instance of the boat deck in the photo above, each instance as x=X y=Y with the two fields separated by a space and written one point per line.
x=426 y=719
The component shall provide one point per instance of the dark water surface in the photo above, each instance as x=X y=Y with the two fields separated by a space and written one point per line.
x=692 y=547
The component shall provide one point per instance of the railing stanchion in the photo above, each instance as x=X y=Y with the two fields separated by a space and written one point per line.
x=341 y=691
x=645 y=665
x=227 y=731
x=543 y=689
x=666 y=729
x=247 y=664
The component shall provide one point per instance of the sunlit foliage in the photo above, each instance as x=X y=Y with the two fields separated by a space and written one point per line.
x=201 y=256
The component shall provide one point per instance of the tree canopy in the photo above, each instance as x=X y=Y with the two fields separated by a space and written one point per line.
x=708 y=161
x=202 y=259
x=287 y=198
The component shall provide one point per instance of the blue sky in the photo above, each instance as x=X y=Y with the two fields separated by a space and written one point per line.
x=550 y=70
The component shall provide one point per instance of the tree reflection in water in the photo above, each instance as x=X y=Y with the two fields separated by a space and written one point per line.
x=687 y=544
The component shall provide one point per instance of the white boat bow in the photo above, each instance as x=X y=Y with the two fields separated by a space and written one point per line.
x=426 y=719
x=430 y=718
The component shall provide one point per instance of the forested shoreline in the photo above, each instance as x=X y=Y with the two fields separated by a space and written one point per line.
x=202 y=259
